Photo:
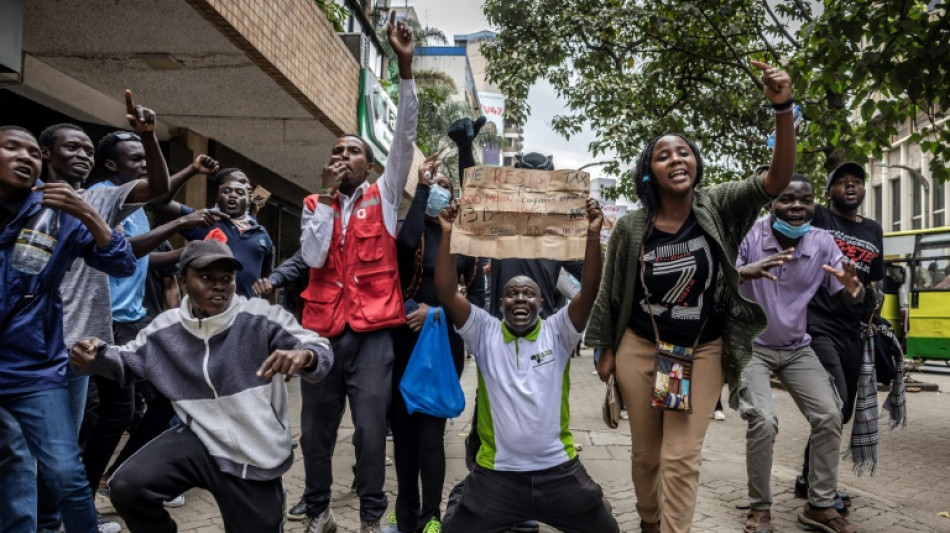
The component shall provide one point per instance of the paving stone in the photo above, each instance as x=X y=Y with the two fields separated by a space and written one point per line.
x=911 y=485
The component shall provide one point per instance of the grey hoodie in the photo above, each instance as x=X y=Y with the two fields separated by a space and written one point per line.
x=207 y=368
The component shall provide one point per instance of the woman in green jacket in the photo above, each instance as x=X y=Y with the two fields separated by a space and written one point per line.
x=688 y=297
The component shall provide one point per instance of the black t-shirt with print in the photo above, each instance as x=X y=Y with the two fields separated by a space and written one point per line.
x=681 y=271
x=861 y=242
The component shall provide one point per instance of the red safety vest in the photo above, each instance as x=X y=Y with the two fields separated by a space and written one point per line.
x=359 y=282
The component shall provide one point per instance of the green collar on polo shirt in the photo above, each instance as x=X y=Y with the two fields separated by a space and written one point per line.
x=531 y=335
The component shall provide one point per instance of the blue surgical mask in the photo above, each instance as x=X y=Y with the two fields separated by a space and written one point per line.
x=439 y=198
x=790 y=231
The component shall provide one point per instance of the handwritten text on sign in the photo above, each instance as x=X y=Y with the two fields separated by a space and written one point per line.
x=532 y=214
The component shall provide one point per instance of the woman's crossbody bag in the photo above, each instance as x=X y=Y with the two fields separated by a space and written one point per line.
x=673 y=372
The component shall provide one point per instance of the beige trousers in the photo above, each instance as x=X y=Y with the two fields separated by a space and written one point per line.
x=666 y=445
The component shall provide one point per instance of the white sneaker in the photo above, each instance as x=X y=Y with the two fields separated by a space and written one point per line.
x=324 y=523
x=624 y=415
x=106 y=526
x=175 y=502
x=719 y=415
x=389 y=461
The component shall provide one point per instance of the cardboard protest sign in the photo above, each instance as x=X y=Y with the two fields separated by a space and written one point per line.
x=612 y=214
x=509 y=212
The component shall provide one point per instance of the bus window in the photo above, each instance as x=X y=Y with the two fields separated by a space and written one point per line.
x=942 y=279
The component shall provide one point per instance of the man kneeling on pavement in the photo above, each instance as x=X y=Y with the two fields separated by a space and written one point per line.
x=527 y=467
x=216 y=358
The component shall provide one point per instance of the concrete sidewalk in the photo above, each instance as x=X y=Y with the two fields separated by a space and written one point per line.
x=911 y=486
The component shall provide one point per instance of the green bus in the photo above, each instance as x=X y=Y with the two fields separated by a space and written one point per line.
x=917 y=291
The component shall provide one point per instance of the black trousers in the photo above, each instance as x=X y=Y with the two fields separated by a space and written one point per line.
x=418 y=441
x=564 y=497
x=841 y=357
x=361 y=373
x=177 y=461
x=109 y=411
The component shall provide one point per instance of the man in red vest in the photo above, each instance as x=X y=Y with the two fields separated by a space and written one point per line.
x=354 y=299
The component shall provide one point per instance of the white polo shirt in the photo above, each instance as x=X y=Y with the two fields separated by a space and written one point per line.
x=523 y=390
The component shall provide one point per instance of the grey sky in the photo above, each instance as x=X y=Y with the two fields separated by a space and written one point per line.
x=465 y=16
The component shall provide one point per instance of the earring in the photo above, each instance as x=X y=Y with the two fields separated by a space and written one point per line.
x=646 y=178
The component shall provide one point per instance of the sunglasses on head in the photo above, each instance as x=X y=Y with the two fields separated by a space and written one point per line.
x=126 y=136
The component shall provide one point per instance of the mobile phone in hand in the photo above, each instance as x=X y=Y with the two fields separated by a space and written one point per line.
x=411 y=306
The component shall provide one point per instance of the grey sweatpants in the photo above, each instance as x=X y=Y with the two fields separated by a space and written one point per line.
x=811 y=388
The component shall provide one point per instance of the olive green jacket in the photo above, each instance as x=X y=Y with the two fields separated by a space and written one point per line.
x=725 y=212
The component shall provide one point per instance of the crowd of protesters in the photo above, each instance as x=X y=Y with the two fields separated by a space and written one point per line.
x=694 y=290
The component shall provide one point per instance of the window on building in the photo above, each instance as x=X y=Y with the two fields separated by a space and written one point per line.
x=878 y=203
x=917 y=212
x=940 y=206
x=896 y=205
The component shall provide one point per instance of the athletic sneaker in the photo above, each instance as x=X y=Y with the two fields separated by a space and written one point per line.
x=105 y=526
x=719 y=415
x=324 y=523
x=369 y=526
x=391 y=528
x=433 y=526
x=531 y=526
x=175 y=502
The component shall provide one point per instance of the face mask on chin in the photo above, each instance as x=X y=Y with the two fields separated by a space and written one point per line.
x=790 y=231
x=439 y=198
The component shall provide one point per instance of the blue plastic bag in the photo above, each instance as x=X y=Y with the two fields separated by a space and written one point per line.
x=430 y=384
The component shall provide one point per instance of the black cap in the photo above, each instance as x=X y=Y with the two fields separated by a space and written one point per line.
x=534 y=161
x=846 y=168
x=199 y=254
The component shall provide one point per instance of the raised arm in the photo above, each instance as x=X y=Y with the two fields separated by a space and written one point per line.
x=463 y=132
x=778 y=89
x=144 y=244
x=446 y=272
x=201 y=165
x=399 y=161
x=583 y=303
x=142 y=120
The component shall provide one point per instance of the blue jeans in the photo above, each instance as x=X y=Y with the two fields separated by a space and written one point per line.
x=47 y=514
x=47 y=431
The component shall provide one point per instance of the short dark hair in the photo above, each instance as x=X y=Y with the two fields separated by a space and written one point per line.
x=221 y=176
x=106 y=149
x=647 y=191
x=11 y=127
x=45 y=139
x=801 y=177
x=366 y=147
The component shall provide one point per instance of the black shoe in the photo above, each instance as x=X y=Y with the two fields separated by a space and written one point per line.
x=801 y=487
x=299 y=511
x=841 y=507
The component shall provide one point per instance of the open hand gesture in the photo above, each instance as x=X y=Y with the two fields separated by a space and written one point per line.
x=400 y=38
x=595 y=218
x=448 y=215
x=760 y=269
x=142 y=119
x=848 y=276
x=775 y=82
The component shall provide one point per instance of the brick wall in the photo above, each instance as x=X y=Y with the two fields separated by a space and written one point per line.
x=292 y=41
